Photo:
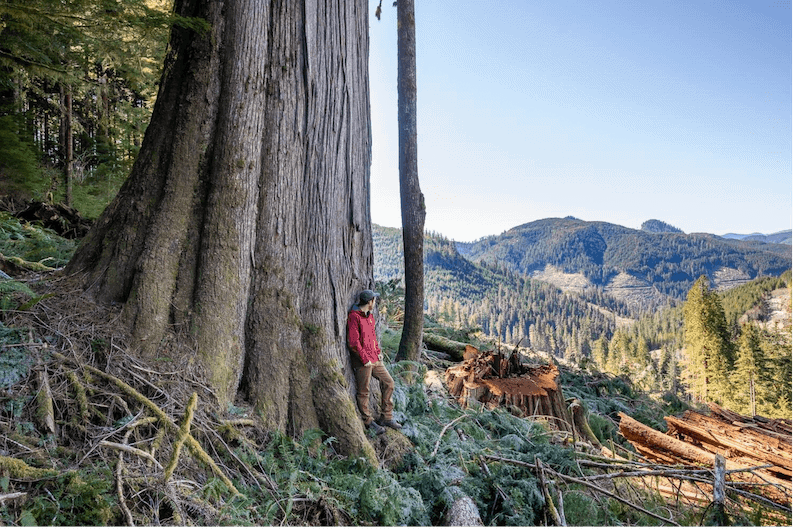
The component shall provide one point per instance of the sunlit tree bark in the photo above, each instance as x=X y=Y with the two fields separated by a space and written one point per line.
x=412 y=202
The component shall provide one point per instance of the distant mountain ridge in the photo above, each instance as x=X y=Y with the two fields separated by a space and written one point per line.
x=560 y=284
x=781 y=237
x=601 y=252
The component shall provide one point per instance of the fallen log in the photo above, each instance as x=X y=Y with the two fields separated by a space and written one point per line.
x=653 y=442
x=458 y=351
x=62 y=219
x=464 y=512
x=777 y=428
x=667 y=449
x=721 y=437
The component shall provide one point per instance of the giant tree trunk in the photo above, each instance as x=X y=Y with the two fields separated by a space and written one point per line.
x=412 y=203
x=245 y=222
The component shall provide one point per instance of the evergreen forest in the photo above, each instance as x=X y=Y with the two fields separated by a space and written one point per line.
x=78 y=81
x=669 y=261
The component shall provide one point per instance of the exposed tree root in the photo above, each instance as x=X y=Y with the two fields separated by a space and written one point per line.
x=183 y=435
x=98 y=404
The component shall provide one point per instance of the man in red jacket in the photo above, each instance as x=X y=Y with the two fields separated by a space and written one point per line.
x=365 y=355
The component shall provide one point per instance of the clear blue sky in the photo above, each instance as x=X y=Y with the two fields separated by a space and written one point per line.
x=617 y=111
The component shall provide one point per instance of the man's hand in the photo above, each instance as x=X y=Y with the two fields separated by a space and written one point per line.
x=369 y=364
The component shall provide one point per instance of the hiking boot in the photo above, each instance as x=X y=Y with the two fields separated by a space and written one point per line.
x=377 y=429
x=391 y=423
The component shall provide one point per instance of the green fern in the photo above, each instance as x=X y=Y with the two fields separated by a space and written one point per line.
x=32 y=243
x=10 y=291
x=15 y=362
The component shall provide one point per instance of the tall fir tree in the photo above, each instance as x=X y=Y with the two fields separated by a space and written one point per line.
x=749 y=370
x=707 y=344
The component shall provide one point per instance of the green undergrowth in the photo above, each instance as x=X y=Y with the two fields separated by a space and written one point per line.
x=84 y=497
x=444 y=466
x=34 y=244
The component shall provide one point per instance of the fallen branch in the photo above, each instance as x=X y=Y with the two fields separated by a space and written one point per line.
x=80 y=396
x=183 y=434
x=120 y=493
x=11 y=496
x=631 y=465
x=672 y=473
x=760 y=499
x=568 y=478
x=436 y=448
x=132 y=450
x=551 y=507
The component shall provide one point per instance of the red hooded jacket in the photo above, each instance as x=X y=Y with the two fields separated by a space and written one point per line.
x=361 y=337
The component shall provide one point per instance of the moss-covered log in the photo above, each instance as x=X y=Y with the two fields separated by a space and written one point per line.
x=19 y=470
x=458 y=351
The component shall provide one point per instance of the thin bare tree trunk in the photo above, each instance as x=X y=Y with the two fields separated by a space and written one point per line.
x=66 y=124
x=412 y=202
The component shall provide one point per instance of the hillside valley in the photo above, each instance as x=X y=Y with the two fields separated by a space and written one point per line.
x=641 y=269
x=600 y=252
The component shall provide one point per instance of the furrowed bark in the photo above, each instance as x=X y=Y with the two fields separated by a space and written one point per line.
x=245 y=223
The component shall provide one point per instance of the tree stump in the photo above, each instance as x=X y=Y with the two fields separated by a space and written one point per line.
x=494 y=380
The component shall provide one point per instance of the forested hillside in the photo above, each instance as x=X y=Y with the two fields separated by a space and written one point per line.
x=593 y=330
x=501 y=302
x=668 y=261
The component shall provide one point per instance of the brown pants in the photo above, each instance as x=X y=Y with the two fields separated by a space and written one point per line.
x=363 y=376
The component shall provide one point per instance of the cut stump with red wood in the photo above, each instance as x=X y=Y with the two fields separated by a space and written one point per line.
x=494 y=380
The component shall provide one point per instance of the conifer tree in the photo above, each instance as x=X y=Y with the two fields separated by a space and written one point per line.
x=600 y=351
x=777 y=373
x=618 y=351
x=707 y=344
x=749 y=368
